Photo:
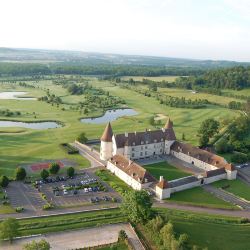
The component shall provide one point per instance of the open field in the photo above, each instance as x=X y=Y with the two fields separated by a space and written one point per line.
x=215 y=232
x=18 y=145
x=166 y=170
x=236 y=187
x=199 y=197
x=152 y=78
x=245 y=92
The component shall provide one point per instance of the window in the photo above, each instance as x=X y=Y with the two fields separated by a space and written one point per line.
x=133 y=143
x=133 y=155
x=142 y=142
x=146 y=147
x=161 y=139
x=141 y=154
x=133 y=149
x=146 y=153
x=141 y=147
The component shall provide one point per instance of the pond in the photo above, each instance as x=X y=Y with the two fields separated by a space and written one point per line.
x=15 y=95
x=109 y=116
x=32 y=125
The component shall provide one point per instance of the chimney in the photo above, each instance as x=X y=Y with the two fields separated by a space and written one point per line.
x=126 y=134
x=161 y=178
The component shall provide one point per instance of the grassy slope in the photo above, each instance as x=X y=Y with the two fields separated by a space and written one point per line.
x=211 y=231
x=33 y=145
x=198 y=197
x=236 y=187
x=164 y=169
x=70 y=221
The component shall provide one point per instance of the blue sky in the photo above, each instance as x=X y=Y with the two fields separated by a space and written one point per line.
x=176 y=28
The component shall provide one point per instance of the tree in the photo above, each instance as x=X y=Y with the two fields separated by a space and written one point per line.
x=4 y=181
x=82 y=138
x=44 y=174
x=20 y=174
x=222 y=146
x=54 y=168
x=209 y=127
x=9 y=229
x=70 y=171
x=203 y=141
x=137 y=206
x=152 y=120
x=37 y=245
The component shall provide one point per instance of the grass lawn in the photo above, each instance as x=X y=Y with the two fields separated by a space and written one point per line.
x=115 y=246
x=199 y=197
x=236 y=187
x=115 y=182
x=215 y=232
x=167 y=171
x=70 y=221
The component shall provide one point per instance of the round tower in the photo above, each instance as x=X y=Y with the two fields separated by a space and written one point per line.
x=106 y=143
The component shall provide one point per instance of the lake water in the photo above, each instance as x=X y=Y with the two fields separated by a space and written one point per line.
x=32 y=125
x=15 y=95
x=109 y=116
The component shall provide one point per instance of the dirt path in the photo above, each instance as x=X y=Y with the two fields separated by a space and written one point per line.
x=81 y=238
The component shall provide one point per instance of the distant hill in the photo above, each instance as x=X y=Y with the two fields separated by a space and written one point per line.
x=79 y=57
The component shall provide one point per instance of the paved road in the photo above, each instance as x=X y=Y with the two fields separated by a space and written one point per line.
x=233 y=213
x=92 y=155
x=229 y=197
x=81 y=238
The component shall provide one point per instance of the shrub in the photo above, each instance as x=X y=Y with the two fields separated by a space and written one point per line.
x=5 y=202
x=70 y=171
x=19 y=209
x=54 y=168
x=44 y=196
x=122 y=236
x=82 y=138
x=239 y=158
x=4 y=181
x=47 y=206
x=20 y=174
x=44 y=174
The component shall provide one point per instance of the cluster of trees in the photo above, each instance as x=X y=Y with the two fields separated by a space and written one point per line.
x=207 y=130
x=230 y=78
x=54 y=169
x=105 y=69
x=20 y=174
x=8 y=113
x=75 y=89
x=182 y=102
x=51 y=99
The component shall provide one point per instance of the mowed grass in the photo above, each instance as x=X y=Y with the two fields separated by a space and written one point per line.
x=166 y=170
x=199 y=197
x=236 y=187
x=28 y=146
x=152 y=78
x=216 y=232
x=245 y=92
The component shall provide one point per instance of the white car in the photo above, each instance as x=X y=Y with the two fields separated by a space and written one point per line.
x=86 y=190
x=65 y=191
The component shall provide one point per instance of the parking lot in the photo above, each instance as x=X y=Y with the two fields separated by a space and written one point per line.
x=85 y=188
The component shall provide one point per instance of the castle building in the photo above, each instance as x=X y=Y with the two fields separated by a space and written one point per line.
x=121 y=152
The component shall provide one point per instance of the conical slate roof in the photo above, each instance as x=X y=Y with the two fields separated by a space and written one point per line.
x=107 y=134
x=169 y=124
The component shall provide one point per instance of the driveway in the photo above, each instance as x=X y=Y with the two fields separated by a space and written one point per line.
x=81 y=238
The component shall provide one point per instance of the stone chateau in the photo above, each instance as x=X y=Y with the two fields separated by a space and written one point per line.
x=121 y=152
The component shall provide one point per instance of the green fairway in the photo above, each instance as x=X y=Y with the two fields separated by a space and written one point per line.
x=215 y=232
x=199 y=197
x=166 y=170
x=19 y=145
x=236 y=187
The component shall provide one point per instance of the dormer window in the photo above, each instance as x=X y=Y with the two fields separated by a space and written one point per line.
x=133 y=143
x=155 y=140
x=142 y=142
x=161 y=139
x=146 y=142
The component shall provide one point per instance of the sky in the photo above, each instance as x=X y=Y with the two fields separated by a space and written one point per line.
x=199 y=29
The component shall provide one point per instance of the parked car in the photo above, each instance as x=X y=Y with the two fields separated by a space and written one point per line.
x=65 y=191
x=86 y=190
x=75 y=192
x=90 y=189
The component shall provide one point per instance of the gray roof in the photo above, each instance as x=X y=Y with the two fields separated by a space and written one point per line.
x=182 y=181
x=147 y=137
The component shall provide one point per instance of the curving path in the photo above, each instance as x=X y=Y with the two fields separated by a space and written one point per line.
x=216 y=211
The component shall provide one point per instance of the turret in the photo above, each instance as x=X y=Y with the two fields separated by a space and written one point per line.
x=169 y=124
x=106 y=143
